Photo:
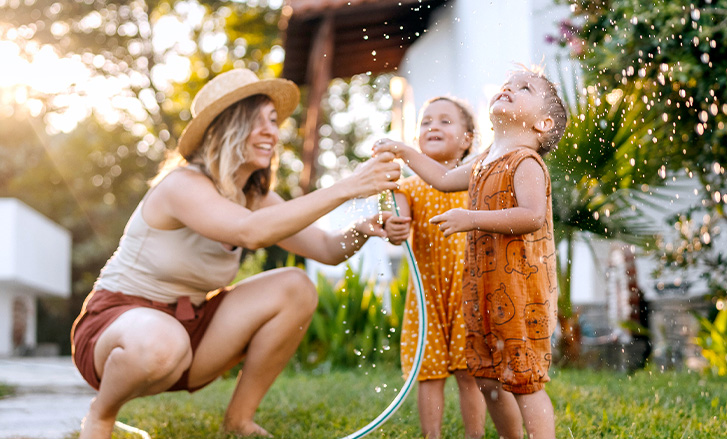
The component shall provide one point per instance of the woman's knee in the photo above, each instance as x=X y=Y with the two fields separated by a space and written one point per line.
x=300 y=290
x=162 y=354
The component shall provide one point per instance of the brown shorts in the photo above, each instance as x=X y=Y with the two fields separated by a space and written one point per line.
x=102 y=307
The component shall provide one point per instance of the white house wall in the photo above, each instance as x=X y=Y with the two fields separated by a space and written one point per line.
x=590 y=257
x=35 y=253
x=472 y=45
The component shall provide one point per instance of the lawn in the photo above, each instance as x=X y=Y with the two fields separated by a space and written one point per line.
x=5 y=390
x=588 y=404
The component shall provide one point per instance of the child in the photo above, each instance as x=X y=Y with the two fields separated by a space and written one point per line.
x=446 y=134
x=510 y=289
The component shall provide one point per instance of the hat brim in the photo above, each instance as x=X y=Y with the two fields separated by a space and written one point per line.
x=282 y=92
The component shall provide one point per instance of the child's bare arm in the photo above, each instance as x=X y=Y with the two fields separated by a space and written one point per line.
x=527 y=217
x=428 y=169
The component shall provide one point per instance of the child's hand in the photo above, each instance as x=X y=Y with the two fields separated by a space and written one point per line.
x=454 y=221
x=399 y=149
x=397 y=229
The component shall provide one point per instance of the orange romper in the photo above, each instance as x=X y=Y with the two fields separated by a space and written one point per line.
x=440 y=261
x=510 y=286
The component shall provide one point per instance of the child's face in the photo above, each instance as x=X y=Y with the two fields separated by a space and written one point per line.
x=521 y=98
x=442 y=132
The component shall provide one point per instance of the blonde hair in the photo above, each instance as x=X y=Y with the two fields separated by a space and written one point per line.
x=554 y=109
x=468 y=117
x=222 y=152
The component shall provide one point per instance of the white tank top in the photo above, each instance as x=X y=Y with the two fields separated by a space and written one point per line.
x=163 y=265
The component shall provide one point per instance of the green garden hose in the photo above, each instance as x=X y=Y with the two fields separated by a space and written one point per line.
x=419 y=354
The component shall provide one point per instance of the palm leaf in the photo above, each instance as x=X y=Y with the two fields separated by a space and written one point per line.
x=601 y=167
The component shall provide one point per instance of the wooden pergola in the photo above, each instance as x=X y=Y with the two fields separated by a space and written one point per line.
x=327 y=39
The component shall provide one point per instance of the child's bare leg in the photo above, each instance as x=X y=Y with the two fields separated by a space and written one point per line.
x=537 y=411
x=430 y=400
x=472 y=405
x=503 y=408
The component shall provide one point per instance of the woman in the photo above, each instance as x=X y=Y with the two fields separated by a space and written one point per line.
x=161 y=316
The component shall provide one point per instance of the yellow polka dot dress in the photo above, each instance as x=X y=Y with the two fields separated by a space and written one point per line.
x=440 y=261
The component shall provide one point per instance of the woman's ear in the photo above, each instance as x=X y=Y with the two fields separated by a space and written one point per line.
x=544 y=125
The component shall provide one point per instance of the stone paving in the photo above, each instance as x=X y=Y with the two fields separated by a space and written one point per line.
x=50 y=398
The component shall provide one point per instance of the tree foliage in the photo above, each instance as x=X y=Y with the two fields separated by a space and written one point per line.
x=603 y=178
x=673 y=54
x=150 y=59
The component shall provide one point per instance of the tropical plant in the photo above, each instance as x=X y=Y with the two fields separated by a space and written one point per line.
x=712 y=338
x=603 y=179
x=350 y=326
x=673 y=53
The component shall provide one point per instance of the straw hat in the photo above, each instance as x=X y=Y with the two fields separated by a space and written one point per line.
x=226 y=89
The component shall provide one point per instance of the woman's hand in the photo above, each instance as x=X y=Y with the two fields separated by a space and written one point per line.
x=373 y=225
x=454 y=221
x=397 y=229
x=374 y=176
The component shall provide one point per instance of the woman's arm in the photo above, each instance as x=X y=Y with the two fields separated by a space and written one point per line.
x=527 y=217
x=431 y=171
x=191 y=199
x=332 y=248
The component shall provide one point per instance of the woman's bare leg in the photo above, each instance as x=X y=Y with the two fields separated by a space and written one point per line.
x=503 y=408
x=263 y=318
x=430 y=400
x=472 y=405
x=143 y=352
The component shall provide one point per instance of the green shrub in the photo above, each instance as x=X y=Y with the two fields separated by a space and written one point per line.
x=350 y=326
x=252 y=264
x=712 y=338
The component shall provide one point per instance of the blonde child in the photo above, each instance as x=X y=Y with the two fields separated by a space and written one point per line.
x=510 y=290
x=446 y=134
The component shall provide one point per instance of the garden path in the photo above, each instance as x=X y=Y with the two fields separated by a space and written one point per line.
x=50 y=398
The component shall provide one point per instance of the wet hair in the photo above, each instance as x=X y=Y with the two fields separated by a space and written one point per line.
x=468 y=117
x=554 y=109
x=222 y=152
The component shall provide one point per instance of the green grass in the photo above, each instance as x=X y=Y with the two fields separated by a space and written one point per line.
x=588 y=404
x=5 y=390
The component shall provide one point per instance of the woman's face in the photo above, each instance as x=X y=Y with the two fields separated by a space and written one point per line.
x=264 y=136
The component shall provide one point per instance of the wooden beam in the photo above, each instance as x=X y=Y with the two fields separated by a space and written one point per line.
x=318 y=77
